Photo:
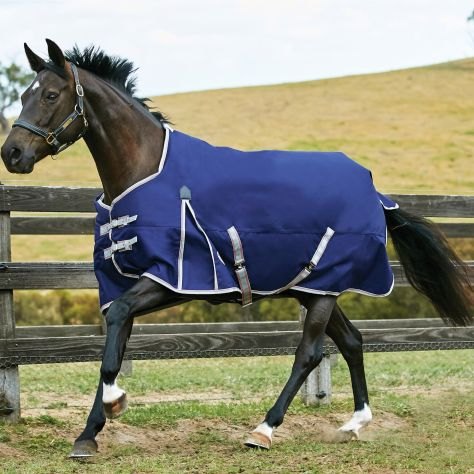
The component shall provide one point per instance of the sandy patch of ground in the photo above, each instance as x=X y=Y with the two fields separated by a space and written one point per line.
x=9 y=452
x=181 y=438
x=74 y=411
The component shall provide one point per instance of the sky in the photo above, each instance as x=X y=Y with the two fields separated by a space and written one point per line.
x=184 y=45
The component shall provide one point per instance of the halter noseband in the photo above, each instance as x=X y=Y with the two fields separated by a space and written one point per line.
x=52 y=137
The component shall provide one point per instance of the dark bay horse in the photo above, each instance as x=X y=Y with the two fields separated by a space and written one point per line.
x=88 y=94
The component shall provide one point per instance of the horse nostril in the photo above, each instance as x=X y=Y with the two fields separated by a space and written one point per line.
x=14 y=155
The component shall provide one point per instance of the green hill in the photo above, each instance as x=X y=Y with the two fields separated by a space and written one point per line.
x=413 y=128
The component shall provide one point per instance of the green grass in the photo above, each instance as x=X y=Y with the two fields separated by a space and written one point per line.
x=422 y=403
x=240 y=378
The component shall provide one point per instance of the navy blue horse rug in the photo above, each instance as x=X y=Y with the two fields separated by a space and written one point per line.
x=218 y=220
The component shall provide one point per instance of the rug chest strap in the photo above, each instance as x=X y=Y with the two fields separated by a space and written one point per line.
x=239 y=267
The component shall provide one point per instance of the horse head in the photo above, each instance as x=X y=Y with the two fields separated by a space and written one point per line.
x=52 y=116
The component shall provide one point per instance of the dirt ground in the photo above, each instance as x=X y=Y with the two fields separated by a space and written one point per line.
x=178 y=439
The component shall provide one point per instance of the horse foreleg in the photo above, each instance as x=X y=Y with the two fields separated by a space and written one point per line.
x=143 y=297
x=348 y=340
x=85 y=444
x=308 y=355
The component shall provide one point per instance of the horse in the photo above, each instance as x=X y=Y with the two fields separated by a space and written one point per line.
x=91 y=95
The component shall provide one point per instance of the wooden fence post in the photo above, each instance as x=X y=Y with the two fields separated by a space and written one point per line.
x=9 y=377
x=317 y=388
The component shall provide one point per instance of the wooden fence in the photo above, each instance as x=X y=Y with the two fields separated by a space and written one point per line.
x=51 y=344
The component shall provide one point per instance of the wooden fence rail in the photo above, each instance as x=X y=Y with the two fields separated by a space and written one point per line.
x=70 y=213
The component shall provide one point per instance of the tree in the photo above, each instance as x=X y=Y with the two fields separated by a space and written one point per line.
x=13 y=78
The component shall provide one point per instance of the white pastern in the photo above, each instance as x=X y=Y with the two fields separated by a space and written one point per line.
x=111 y=393
x=359 y=419
x=265 y=429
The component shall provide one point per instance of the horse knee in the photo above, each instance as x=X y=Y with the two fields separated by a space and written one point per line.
x=118 y=313
x=308 y=360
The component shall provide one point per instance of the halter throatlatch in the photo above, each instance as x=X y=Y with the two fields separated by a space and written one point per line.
x=52 y=137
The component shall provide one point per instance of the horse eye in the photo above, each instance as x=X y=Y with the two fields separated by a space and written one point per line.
x=52 y=96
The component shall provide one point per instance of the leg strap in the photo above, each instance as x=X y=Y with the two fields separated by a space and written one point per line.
x=239 y=266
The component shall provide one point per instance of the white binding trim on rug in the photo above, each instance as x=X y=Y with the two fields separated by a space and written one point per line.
x=136 y=185
x=190 y=292
x=117 y=267
x=102 y=204
x=186 y=203
x=389 y=208
x=181 y=244
x=263 y=293
x=216 y=285
x=105 y=306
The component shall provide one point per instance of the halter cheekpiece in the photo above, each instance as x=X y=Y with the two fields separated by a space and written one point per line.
x=52 y=137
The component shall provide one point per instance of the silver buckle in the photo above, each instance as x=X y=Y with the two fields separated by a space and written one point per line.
x=119 y=222
x=120 y=246
x=51 y=138
x=79 y=90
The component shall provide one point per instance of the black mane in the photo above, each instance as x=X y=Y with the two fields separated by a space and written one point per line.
x=118 y=71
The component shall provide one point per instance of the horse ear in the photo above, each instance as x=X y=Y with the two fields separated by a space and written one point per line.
x=36 y=63
x=55 y=53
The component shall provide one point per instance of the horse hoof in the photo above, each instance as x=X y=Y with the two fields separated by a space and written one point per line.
x=116 y=408
x=258 y=440
x=85 y=448
x=347 y=435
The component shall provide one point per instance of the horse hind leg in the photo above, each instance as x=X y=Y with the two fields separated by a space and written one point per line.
x=348 y=340
x=308 y=355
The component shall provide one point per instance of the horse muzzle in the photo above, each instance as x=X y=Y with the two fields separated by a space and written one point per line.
x=17 y=160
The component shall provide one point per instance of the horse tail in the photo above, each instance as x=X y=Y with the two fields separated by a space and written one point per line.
x=431 y=265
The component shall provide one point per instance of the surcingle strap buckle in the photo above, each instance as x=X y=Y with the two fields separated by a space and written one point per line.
x=119 y=222
x=239 y=266
x=120 y=246
x=313 y=263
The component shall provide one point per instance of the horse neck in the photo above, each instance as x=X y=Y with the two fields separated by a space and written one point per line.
x=124 y=139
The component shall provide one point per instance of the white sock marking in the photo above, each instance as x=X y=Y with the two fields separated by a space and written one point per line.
x=111 y=393
x=265 y=429
x=359 y=419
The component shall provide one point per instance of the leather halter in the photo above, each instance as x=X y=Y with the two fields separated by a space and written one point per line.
x=52 y=137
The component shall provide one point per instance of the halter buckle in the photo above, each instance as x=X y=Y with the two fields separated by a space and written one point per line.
x=50 y=139
x=79 y=90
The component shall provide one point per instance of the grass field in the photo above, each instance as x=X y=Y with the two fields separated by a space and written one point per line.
x=191 y=416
